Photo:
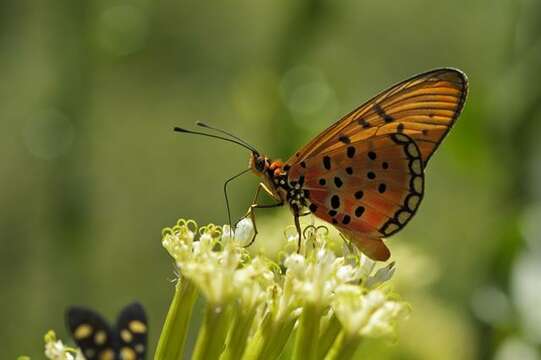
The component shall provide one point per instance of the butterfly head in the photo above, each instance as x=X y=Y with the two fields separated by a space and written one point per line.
x=259 y=163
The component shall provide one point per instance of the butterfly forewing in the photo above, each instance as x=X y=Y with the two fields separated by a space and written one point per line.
x=423 y=107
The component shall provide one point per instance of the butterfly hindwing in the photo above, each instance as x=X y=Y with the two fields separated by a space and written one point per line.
x=368 y=189
x=91 y=333
x=423 y=107
x=99 y=341
x=132 y=327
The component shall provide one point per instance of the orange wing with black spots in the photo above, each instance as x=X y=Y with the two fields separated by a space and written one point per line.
x=368 y=191
x=424 y=107
x=365 y=173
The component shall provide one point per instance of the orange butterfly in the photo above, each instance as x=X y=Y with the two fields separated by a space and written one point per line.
x=365 y=173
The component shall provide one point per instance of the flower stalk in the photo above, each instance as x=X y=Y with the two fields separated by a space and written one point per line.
x=212 y=334
x=175 y=329
x=238 y=334
x=307 y=331
x=344 y=347
x=270 y=338
x=328 y=334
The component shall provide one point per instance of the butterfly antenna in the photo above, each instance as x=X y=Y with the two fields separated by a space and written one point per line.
x=202 y=124
x=186 y=131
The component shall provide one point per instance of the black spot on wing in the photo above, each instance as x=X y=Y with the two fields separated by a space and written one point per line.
x=335 y=201
x=327 y=162
x=363 y=123
x=386 y=117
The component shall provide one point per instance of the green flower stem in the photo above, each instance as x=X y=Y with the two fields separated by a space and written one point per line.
x=255 y=345
x=308 y=333
x=328 y=336
x=276 y=343
x=344 y=347
x=270 y=339
x=173 y=336
x=238 y=334
x=213 y=332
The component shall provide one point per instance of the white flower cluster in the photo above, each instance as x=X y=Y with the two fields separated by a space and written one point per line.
x=56 y=350
x=217 y=264
x=346 y=285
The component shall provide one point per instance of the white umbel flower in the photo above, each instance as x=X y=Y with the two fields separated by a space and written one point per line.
x=273 y=295
x=371 y=314
x=56 y=350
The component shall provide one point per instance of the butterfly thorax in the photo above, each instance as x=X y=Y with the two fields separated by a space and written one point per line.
x=275 y=176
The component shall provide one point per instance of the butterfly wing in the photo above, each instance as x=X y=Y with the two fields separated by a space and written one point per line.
x=423 y=107
x=365 y=173
x=132 y=327
x=368 y=191
x=91 y=333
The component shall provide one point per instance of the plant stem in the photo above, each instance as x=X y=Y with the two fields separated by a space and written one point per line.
x=236 y=339
x=270 y=339
x=328 y=336
x=277 y=340
x=307 y=333
x=173 y=336
x=213 y=332
x=344 y=347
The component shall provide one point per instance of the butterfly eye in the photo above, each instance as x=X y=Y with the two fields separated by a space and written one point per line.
x=260 y=164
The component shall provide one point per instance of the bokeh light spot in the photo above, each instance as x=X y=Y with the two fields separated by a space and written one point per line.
x=48 y=134
x=515 y=348
x=122 y=30
x=304 y=90
x=491 y=305
x=526 y=290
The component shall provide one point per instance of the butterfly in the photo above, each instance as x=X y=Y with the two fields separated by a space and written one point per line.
x=127 y=340
x=365 y=173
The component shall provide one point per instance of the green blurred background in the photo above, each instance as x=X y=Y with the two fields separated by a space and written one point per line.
x=91 y=170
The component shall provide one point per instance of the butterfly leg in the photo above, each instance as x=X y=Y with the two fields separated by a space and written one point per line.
x=298 y=227
x=255 y=205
